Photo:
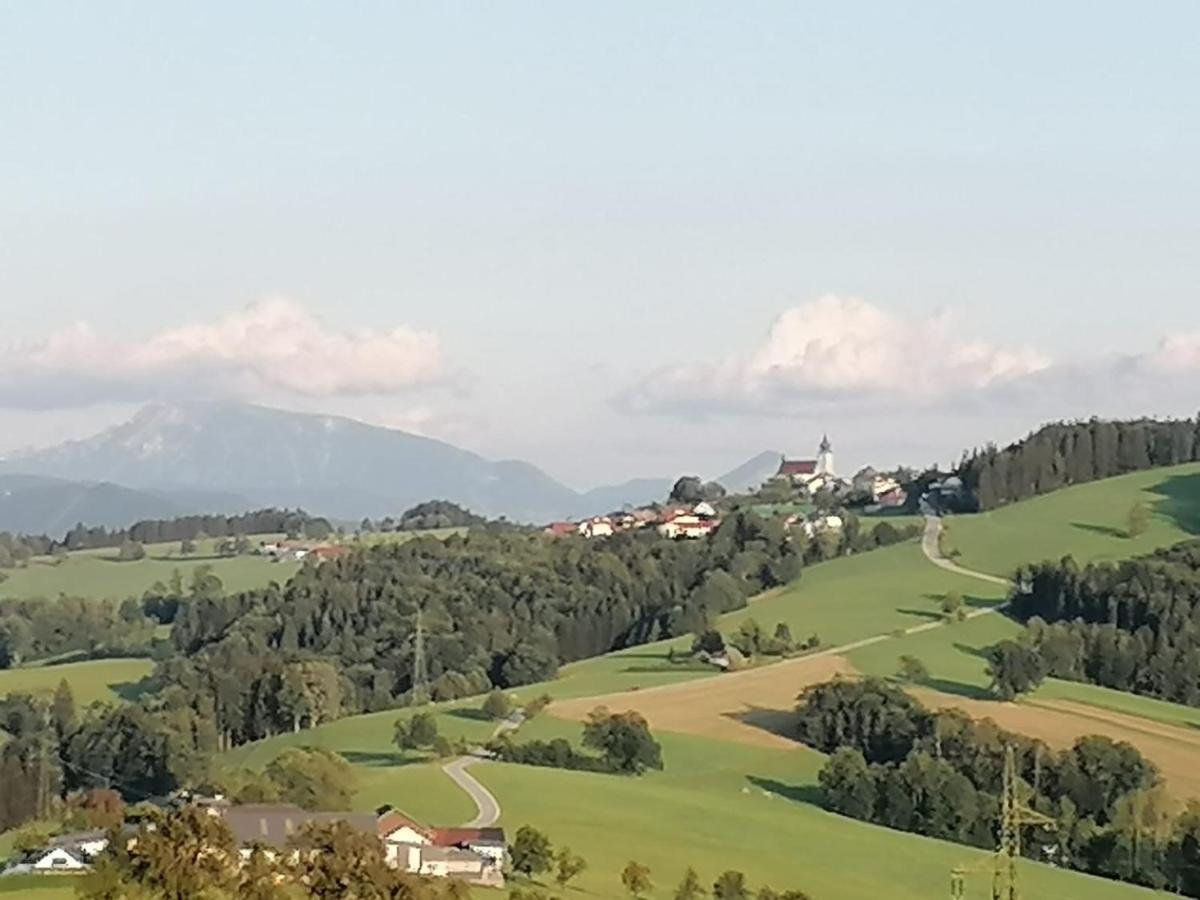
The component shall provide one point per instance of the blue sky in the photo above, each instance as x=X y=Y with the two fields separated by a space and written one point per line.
x=602 y=214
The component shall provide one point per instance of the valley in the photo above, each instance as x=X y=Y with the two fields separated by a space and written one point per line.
x=735 y=780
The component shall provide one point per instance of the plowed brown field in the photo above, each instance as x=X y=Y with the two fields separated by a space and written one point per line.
x=751 y=706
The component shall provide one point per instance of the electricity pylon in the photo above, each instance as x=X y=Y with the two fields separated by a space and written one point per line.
x=1013 y=815
x=420 y=676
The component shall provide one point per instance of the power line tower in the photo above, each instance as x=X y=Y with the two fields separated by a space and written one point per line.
x=420 y=676
x=1013 y=815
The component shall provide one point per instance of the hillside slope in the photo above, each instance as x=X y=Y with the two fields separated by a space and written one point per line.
x=1087 y=521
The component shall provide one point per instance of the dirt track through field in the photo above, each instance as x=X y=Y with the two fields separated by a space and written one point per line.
x=751 y=707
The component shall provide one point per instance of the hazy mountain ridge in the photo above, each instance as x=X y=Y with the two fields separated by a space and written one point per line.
x=32 y=504
x=328 y=465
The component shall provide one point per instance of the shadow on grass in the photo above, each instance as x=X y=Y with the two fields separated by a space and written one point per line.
x=668 y=667
x=799 y=793
x=130 y=691
x=977 y=652
x=1106 y=530
x=920 y=613
x=780 y=722
x=1181 y=501
x=470 y=713
x=958 y=688
x=381 y=758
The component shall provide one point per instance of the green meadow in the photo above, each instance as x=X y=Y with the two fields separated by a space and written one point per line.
x=98 y=573
x=1086 y=521
x=718 y=806
x=91 y=680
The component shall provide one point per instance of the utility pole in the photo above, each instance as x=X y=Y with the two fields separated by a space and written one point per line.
x=1013 y=815
x=420 y=676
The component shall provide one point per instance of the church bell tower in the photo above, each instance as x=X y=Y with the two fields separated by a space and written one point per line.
x=825 y=457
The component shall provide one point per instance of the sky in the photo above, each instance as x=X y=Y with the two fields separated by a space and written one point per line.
x=615 y=240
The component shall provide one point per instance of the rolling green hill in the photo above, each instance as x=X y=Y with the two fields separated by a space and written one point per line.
x=1087 y=521
x=97 y=679
x=98 y=573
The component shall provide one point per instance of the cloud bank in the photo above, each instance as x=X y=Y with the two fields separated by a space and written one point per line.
x=849 y=356
x=270 y=348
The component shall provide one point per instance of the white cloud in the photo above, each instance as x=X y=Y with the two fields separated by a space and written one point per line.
x=839 y=350
x=270 y=348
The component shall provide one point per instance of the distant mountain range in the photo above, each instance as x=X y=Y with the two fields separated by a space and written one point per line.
x=171 y=460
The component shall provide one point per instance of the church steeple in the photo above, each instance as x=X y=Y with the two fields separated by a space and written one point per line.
x=825 y=457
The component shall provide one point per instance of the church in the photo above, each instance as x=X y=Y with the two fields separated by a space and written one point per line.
x=807 y=471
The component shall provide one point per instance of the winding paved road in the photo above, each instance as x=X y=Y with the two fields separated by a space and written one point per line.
x=487 y=807
x=933 y=552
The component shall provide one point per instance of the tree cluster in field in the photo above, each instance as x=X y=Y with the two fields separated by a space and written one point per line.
x=144 y=749
x=692 y=489
x=531 y=854
x=622 y=745
x=32 y=630
x=310 y=778
x=427 y=516
x=190 y=854
x=940 y=774
x=1067 y=453
x=1133 y=626
x=55 y=754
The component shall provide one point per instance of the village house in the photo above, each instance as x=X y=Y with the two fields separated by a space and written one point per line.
x=65 y=853
x=597 y=526
x=687 y=525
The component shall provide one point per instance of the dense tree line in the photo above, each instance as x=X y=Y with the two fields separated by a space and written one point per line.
x=1133 y=626
x=144 y=749
x=296 y=523
x=940 y=774
x=37 y=629
x=1066 y=453
x=437 y=514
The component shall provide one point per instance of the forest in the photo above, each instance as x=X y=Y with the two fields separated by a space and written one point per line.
x=1066 y=453
x=1133 y=626
x=940 y=774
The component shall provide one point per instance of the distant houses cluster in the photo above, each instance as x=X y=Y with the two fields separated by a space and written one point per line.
x=476 y=855
x=875 y=491
x=800 y=482
x=298 y=551
x=672 y=521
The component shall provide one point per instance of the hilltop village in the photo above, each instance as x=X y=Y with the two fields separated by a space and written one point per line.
x=808 y=491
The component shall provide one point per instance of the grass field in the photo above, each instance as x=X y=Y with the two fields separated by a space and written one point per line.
x=98 y=573
x=92 y=680
x=720 y=805
x=1087 y=521
x=41 y=887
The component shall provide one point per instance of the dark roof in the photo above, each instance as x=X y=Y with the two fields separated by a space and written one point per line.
x=798 y=467
x=76 y=838
x=273 y=824
x=459 y=837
